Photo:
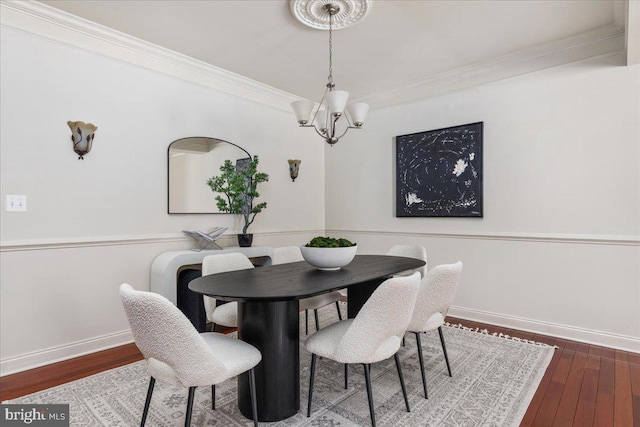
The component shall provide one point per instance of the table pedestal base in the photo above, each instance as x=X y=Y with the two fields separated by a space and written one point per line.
x=273 y=328
x=359 y=294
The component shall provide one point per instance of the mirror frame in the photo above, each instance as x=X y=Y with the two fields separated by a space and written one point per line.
x=169 y=174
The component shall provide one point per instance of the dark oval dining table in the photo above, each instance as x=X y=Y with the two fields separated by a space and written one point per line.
x=268 y=318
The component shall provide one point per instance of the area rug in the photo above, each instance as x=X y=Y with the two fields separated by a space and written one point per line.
x=494 y=379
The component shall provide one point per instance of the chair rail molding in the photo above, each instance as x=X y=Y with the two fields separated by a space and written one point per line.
x=82 y=242
x=589 y=239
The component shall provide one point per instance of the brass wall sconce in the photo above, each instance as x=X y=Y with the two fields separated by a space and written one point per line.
x=294 y=167
x=82 y=137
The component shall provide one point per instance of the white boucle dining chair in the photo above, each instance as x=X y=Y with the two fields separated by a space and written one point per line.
x=437 y=291
x=225 y=314
x=177 y=354
x=410 y=251
x=287 y=254
x=373 y=335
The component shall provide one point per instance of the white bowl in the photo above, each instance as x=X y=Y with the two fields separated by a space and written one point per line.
x=328 y=258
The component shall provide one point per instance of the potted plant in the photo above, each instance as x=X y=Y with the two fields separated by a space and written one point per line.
x=239 y=185
x=327 y=253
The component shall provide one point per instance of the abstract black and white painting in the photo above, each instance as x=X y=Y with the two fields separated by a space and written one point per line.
x=439 y=172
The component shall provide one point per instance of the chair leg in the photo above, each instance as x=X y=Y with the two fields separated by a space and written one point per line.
x=315 y=315
x=421 y=359
x=254 y=404
x=147 y=402
x=313 y=372
x=444 y=348
x=306 y=322
x=213 y=397
x=404 y=390
x=187 y=418
x=346 y=376
x=338 y=308
x=367 y=377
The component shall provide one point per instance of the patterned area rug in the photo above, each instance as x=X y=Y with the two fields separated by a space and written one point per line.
x=494 y=379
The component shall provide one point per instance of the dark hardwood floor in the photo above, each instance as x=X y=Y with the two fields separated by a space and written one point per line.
x=585 y=385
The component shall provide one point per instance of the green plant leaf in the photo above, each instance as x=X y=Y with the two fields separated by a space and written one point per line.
x=239 y=186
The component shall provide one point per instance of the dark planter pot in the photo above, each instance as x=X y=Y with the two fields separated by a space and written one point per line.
x=245 y=240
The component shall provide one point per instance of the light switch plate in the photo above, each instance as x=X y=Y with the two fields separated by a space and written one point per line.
x=16 y=203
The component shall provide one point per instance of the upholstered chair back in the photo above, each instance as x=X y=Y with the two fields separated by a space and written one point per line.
x=213 y=264
x=409 y=251
x=437 y=292
x=168 y=341
x=382 y=321
x=286 y=254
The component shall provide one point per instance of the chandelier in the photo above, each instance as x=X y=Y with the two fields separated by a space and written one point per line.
x=327 y=119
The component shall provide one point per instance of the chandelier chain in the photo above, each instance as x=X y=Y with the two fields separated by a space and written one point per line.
x=330 y=47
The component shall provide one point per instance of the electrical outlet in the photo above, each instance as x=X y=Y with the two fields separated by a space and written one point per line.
x=16 y=203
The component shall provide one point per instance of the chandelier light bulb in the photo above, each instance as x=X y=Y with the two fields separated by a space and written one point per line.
x=358 y=111
x=336 y=101
x=302 y=109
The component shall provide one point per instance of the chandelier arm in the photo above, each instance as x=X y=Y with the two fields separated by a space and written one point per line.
x=345 y=131
x=313 y=127
x=333 y=125
x=349 y=123
x=313 y=119
x=323 y=135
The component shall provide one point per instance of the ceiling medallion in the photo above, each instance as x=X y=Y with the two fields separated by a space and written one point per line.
x=312 y=14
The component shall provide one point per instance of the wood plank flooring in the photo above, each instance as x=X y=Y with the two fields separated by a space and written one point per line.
x=585 y=385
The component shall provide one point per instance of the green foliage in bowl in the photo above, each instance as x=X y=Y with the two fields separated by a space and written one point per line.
x=329 y=242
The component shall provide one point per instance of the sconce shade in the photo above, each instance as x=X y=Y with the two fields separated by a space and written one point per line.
x=336 y=100
x=294 y=168
x=302 y=109
x=82 y=137
x=358 y=111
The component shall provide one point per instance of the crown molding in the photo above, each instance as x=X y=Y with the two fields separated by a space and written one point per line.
x=601 y=41
x=47 y=22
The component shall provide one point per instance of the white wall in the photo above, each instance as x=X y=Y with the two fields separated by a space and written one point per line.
x=558 y=248
x=95 y=223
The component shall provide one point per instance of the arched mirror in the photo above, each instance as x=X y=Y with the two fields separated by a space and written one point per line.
x=191 y=162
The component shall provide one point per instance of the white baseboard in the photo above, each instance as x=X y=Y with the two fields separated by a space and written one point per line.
x=48 y=356
x=56 y=354
x=620 y=342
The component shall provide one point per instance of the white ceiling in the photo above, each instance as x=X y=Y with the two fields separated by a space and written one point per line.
x=399 y=41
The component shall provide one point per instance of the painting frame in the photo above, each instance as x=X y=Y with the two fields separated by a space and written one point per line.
x=439 y=173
